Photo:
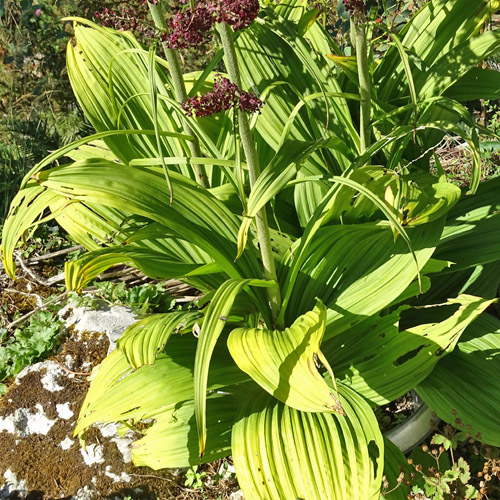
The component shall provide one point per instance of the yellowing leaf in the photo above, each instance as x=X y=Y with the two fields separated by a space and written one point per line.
x=283 y=362
x=280 y=453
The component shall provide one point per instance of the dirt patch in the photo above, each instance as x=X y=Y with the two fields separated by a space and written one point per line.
x=21 y=296
x=46 y=455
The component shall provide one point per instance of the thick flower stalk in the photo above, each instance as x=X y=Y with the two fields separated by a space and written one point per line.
x=358 y=9
x=179 y=88
x=250 y=150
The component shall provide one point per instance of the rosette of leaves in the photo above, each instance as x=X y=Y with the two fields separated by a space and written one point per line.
x=381 y=266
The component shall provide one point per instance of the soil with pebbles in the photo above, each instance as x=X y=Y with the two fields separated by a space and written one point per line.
x=37 y=418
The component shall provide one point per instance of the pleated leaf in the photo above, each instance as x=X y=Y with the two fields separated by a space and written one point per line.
x=357 y=270
x=215 y=320
x=463 y=388
x=119 y=393
x=382 y=363
x=437 y=28
x=173 y=439
x=26 y=210
x=474 y=219
x=196 y=216
x=282 y=453
x=142 y=341
x=477 y=83
x=156 y=265
x=456 y=63
x=283 y=362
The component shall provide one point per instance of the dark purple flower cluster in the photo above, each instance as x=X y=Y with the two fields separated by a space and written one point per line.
x=188 y=27
x=238 y=13
x=226 y=95
x=355 y=6
x=126 y=19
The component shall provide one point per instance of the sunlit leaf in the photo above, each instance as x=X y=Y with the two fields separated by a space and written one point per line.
x=281 y=453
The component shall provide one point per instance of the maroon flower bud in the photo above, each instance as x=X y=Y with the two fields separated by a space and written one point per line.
x=238 y=13
x=355 y=6
x=188 y=27
x=225 y=95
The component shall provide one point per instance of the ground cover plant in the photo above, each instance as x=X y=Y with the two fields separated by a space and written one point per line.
x=295 y=192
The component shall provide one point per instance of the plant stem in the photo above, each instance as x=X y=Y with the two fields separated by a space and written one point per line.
x=364 y=79
x=249 y=148
x=174 y=65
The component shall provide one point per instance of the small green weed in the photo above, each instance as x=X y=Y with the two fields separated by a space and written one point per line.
x=194 y=479
x=224 y=473
x=28 y=344
x=439 y=475
x=142 y=299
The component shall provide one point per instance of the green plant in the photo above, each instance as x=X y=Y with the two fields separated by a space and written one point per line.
x=143 y=298
x=353 y=275
x=194 y=479
x=224 y=473
x=28 y=344
x=437 y=474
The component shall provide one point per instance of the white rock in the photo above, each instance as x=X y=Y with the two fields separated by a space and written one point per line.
x=111 y=320
x=236 y=495
x=23 y=422
x=122 y=478
x=66 y=444
x=92 y=454
x=52 y=373
x=86 y=493
x=12 y=485
x=123 y=443
x=64 y=411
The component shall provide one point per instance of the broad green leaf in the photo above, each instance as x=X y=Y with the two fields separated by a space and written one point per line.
x=395 y=464
x=477 y=83
x=90 y=224
x=474 y=219
x=119 y=393
x=71 y=150
x=462 y=388
x=141 y=342
x=431 y=34
x=79 y=273
x=26 y=210
x=172 y=441
x=274 y=52
x=448 y=69
x=382 y=363
x=213 y=324
x=283 y=362
x=358 y=270
x=197 y=216
x=282 y=453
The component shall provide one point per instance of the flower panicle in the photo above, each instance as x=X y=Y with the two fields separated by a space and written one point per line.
x=355 y=6
x=189 y=26
x=225 y=95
